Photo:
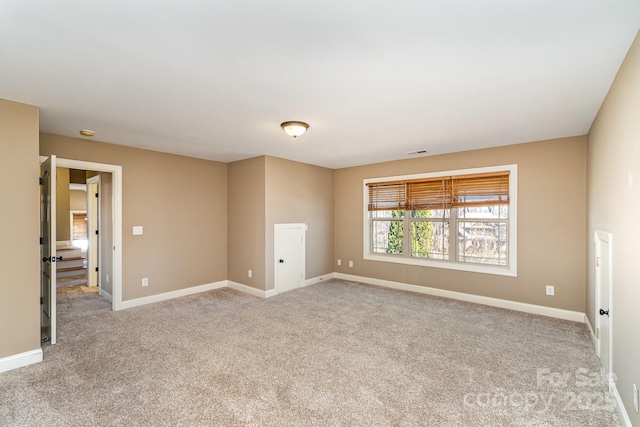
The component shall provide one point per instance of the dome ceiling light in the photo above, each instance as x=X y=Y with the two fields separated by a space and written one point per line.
x=295 y=129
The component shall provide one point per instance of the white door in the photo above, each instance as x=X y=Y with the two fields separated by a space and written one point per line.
x=289 y=256
x=603 y=313
x=93 y=230
x=48 y=264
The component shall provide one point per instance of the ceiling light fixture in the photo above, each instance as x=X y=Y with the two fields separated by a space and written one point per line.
x=295 y=129
x=87 y=132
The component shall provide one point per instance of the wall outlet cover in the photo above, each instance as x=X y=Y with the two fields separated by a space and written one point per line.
x=550 y=290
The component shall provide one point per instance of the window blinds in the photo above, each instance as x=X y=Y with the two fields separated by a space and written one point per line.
x=79 y=226
x=488 y=189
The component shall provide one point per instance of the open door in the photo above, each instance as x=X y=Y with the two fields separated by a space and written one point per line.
x=48 y=265
x=93 y=230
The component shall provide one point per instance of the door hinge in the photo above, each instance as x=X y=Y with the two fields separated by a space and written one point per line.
x=42 y=240
x=96 y=232
x=96 y=268
x=597 y=261
x=40 y=180
x=41 y=300
x=96 y=195
x=598 y=333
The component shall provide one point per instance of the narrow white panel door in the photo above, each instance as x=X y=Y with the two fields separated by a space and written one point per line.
x=289 y=256
x=603 y=299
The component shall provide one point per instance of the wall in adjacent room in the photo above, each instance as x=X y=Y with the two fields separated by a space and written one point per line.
x=106 y=232
x=63 y=225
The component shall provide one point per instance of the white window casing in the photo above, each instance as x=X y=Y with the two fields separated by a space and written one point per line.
x=452 y=263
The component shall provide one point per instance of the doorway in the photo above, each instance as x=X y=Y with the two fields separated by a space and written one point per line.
x=603 y=314
x=114 y=272
x=289 y=254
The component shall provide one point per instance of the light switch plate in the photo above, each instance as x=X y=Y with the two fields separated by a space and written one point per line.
x=137 y=230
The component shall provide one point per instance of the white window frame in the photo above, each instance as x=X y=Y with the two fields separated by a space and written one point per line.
x=512 y=228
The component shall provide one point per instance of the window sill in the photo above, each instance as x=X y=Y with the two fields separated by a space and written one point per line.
x=448 y=265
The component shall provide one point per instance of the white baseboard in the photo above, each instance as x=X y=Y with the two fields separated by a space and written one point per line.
x=250 y=290
x=319 y=279
x=273 y=292
x=620 y=409
x=106 y=295
x=170 y=295
x=270 y=293
x=558 y=313
x=21 y=359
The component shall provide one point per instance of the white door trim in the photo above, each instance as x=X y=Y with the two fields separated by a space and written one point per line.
x=116 y=171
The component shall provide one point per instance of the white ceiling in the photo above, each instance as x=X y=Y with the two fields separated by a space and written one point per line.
x=374 y=79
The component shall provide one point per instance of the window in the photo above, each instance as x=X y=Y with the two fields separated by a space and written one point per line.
x=463 y=220
x=79 y=229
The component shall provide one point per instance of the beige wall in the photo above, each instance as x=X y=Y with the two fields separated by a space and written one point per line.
x=63 y=224
x=182 y=204
x=77 y=200
x=264 y=191
x=19 y=228
x=614 y=206
x=246 y=222
x=300 y=193
x=551 y=223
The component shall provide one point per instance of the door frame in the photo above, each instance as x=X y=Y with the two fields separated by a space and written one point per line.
x=116 y=207
x=606 y=237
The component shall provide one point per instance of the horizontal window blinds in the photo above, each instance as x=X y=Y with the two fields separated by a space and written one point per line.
x=429 y=194
x=480 y=190
x=79 y=226
x=387 y=196
x=440 y=193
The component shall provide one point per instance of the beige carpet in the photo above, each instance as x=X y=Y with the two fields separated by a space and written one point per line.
x=336 y=353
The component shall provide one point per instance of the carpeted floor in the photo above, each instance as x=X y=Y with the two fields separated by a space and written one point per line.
x=335 y=353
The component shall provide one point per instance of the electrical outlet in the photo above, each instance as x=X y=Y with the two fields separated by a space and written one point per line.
x=339 y=262
x=550 y=290
x=350 y=264
x=145 y=281
x=249 y=273
x=635 y=398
